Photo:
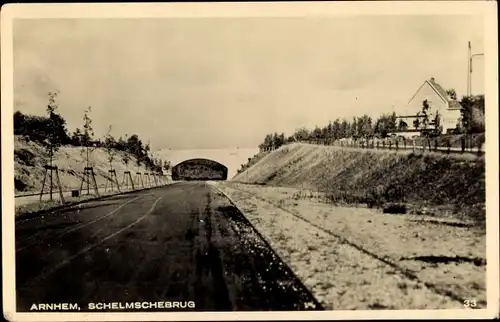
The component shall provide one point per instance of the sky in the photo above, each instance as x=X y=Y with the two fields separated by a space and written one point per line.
x=210 y=83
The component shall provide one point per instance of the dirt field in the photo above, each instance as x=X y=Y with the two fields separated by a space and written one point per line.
x=359 y=258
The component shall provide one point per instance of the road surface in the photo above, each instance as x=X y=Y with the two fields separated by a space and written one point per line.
x=182 y=242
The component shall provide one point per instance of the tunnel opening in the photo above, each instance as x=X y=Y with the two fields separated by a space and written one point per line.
x=199 y=170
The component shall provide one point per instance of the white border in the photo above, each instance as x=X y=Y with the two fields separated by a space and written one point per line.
x=248 y=9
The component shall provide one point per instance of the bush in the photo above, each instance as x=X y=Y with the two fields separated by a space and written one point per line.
x=19 y=184
x=395 y=208
x=26 y=156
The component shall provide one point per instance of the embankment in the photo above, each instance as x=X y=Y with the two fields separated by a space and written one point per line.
x=431 y=182
x=30 y=158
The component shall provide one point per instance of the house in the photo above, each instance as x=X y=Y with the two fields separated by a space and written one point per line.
x=438 y=100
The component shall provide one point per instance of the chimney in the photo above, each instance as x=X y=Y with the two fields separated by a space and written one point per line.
x=432 y=79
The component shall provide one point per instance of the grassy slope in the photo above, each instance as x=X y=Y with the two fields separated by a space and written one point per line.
x=251 y=161
x=31 y=157
x=452 y=183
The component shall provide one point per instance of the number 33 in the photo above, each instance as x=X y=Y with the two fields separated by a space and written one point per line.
x=470 y=303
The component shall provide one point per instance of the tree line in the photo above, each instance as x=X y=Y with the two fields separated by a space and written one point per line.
x=51 y=132
x=364 y=127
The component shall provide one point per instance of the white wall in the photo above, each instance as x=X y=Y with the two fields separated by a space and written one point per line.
x=449 y=118
x=435 y=101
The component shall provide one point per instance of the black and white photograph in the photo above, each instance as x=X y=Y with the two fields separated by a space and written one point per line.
x=256 y=158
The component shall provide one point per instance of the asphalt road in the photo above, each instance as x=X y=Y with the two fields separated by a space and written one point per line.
x=182 y=242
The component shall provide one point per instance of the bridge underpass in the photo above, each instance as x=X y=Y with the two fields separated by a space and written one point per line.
x=199 y=169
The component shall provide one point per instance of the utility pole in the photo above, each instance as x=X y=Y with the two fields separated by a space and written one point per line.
x=469 y=69
x=469 y=81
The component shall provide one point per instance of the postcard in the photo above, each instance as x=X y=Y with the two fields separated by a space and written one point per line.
x=252 y=161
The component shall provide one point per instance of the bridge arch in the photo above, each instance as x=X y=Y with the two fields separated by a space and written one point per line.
x=199 y=169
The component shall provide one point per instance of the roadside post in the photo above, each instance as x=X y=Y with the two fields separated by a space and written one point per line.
x=127 y=177
x=88 y=175
x=52 y=168
x=112 y=179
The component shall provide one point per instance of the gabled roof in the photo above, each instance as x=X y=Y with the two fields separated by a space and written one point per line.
x=452 y=104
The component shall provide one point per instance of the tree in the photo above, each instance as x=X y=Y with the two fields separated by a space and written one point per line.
x=147 y=159
x=354 y=128
x=451 y=93
x=109 y=143
x=416 y=122
x=134 y=146
x=275 y=140
x=385 y=124
x=365 y=129
x=138 y=161
x=126 y=159
x=330 y=131
x=19 y=123
x=166 y=165
x=402 y=126
x=345 y=129
x=281 y=139
x=43 y=129
x=290 y=139
x=472 y=114
x=438 y=129
x=126 y=155
x=336 y=129
x=53 y=139
x=392 y=126
x=268 y=142
x=54 y=129
x=425 y=114
x=76 y=138
x=479 y=103
x=317 y=133
x=301 y=134
x=87 y=136
x=121 y=144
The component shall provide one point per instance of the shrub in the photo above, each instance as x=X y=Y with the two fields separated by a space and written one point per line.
x=395 y=208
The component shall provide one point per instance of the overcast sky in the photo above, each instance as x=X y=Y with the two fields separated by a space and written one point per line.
x=217 y=83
